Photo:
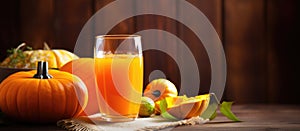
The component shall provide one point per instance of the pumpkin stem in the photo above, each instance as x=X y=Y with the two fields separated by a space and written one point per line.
x=46 y=47
x=18 y=48
x=42 y=71
x=21 y=45
x=45 y=71
x=39 y=71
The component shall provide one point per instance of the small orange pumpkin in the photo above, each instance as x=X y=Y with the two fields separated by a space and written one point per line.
x=36 y=96
x=159 y=89
x=84 y=69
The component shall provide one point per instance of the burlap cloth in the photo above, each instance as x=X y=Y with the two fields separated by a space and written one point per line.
x=95 y=123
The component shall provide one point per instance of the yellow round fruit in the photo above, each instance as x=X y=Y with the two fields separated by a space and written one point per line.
x=147 y=107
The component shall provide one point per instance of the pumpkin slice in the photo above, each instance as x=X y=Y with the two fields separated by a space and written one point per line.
x=182 y=107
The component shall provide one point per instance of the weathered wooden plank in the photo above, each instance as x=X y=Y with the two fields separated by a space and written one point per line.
x=255 y=117
x=70 y=17
x=9 y=24
x=245 y=48
x=36 y=22
x=212 y=10
x=155 y=59
x=283 y=62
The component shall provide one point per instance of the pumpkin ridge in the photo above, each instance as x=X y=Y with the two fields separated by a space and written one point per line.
x=38 y=100
x=23 y=95
x=204 y=105
x=1 y=94
x=29 y=96
x=57 y=89
x=70 y=101
x=48 y=82
x=200 y=106
x=63 y=57
x=52 y=97
x=57 y=58
x=9 y=93
x=5 y=93
x=66 y=100
x=194 y=110
x=19 y=114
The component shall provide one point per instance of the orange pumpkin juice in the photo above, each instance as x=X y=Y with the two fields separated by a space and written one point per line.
x=120 y=83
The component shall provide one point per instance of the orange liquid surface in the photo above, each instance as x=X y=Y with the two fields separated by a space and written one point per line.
x=120 y=83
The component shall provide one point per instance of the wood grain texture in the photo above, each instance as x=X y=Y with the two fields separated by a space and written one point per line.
x=212 y=10
x=36 y=22
x=254 y=117
x=245 y=48
x=155 y=59
x=70 y=17
x=283 y=61
x=9 y=24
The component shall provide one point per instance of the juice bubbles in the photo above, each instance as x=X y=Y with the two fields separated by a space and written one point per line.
x=120 y=82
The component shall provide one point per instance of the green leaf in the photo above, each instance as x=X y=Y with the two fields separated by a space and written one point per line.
x=28 y=48
x=225 y=109
x=163 y=110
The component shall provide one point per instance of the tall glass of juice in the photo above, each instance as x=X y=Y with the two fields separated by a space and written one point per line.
x=119 y=76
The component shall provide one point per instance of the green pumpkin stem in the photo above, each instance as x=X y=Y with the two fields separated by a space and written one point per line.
x=42 y=71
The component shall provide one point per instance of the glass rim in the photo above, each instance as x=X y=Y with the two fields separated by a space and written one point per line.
x=118 y=36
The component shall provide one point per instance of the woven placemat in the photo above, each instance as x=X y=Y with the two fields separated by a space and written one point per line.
x=95 y=123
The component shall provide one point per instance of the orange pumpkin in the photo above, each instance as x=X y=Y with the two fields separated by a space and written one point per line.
x=182 y=107
x=36 y=96
x=84 y=69
x=159 y=89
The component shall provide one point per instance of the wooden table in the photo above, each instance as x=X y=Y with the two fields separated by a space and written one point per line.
x=254 y=117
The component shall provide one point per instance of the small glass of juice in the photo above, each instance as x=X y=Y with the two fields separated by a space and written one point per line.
x=119 y=76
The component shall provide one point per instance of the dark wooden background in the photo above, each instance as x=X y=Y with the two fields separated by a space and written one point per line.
x=260 y=38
